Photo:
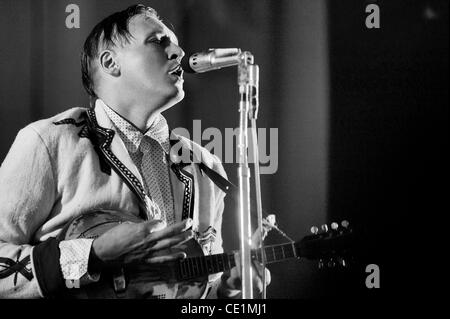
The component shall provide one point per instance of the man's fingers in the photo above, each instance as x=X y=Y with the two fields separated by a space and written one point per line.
x=268 y=276
x=154 y=225
x=160 y=225
x=171 y=231
x=166 y=258
x=257 y=268
x=257 y=279
x=171 y=241
x=235 y=274
x=237 y=259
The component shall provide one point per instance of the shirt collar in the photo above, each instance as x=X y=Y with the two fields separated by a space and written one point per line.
x=157 y=129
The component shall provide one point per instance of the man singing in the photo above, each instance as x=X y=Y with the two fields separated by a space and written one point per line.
x=115 y=156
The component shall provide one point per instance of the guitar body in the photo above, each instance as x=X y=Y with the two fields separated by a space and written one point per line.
x=137 y=281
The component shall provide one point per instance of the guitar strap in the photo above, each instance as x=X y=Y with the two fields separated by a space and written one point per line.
x=225 y=185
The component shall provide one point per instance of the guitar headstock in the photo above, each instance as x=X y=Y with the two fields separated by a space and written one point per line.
x=330 y=244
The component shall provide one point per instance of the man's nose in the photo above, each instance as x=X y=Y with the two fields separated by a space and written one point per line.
x=175 y=52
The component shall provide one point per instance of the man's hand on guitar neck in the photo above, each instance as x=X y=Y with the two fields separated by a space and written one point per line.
x=231 y=283
x=147 y=242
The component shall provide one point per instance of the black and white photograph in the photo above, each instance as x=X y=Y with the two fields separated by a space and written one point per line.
x=240 y=150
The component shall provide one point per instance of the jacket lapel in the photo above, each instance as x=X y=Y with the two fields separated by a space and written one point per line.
x=182 y=179
x=117 y=147
x=178 y=193
x=107 y=144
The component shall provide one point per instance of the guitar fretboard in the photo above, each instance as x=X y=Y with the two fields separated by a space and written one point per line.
x=194 y=267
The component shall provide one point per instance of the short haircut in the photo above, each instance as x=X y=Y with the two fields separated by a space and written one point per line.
x=110 y=32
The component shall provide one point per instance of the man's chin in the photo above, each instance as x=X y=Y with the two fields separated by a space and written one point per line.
x=178 y=97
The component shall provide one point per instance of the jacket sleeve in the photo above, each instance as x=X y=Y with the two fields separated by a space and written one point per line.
x=27 y=194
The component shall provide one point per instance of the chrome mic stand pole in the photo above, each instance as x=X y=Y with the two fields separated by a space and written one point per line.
x=246 y=59
x=248 y=81
x=253 y=115
x=248 y=77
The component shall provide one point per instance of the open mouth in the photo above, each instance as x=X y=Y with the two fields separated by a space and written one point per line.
x=178 y=71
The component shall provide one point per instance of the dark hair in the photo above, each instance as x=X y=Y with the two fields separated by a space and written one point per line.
x=110 y=32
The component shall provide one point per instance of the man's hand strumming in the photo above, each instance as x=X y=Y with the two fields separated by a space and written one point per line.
x=146 y=242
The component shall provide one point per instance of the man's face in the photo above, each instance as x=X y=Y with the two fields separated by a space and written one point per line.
x=150 y=64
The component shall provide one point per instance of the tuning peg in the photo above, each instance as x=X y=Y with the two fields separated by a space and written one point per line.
x=334 y=226
x=324 y=228
x=345 y=223
x=321 y=264
x=314 y=230
x=331 y=263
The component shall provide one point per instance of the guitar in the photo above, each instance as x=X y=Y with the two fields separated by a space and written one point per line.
x=187 y=278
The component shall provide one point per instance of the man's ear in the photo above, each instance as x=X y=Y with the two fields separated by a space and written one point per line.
x=108 y=63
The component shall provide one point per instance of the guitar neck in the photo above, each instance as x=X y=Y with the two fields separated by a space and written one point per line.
x=194 y=267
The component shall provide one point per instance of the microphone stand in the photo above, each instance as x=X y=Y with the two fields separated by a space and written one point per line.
x=248 y=78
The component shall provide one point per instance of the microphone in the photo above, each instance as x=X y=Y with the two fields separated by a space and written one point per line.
x=210 y=60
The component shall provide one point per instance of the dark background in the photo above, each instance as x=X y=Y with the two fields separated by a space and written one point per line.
x=361 y=114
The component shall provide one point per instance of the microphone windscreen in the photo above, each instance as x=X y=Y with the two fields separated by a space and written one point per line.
x=186 y=65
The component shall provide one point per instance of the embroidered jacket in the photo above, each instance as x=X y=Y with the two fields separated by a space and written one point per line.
x=73 y=163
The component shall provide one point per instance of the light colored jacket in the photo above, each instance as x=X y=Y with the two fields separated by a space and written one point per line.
x=60 y=167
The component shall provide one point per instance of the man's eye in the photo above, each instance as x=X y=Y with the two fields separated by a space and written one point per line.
x=154 y=40
x=159 y=41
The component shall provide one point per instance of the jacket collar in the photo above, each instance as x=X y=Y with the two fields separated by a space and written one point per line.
x=117 y=146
